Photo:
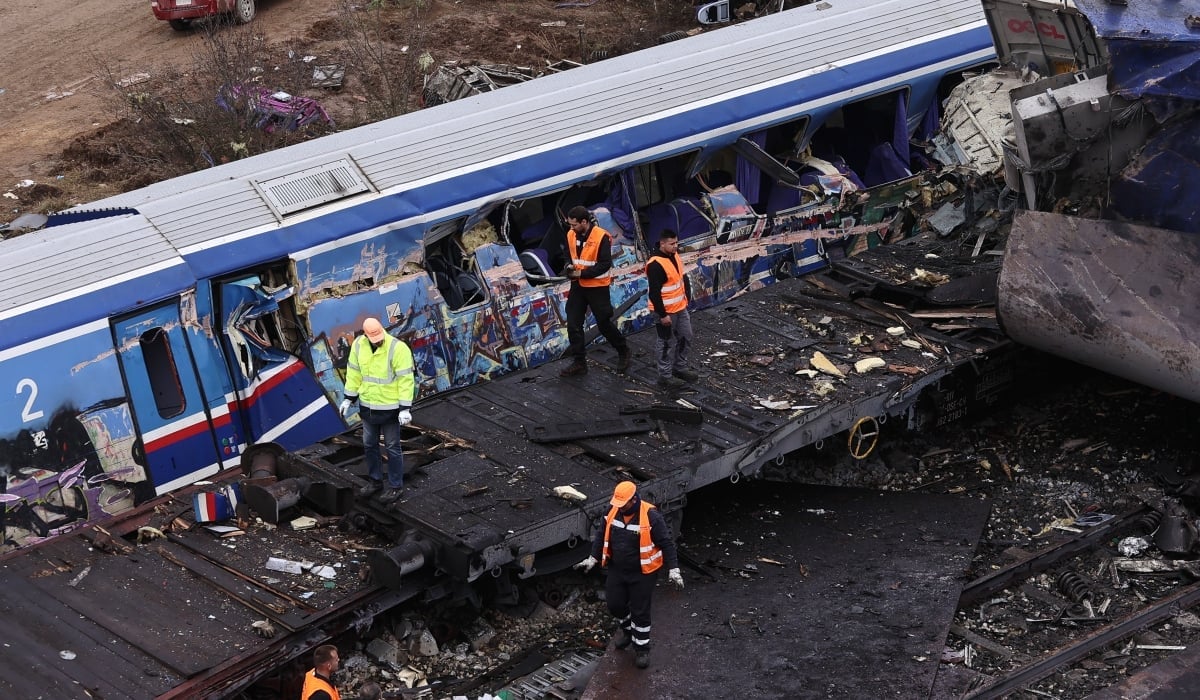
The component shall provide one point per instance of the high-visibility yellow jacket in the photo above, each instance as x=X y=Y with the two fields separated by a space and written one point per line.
x=313 y=683
x=382 y=379
x=587 y=257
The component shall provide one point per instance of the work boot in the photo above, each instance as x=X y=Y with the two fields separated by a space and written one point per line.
x=686 y=375
x=625 y=640
x=623 y=359
x=369 y=489
x=574 y=369
x=390 y=495
x=670 y=383
x=642 y=659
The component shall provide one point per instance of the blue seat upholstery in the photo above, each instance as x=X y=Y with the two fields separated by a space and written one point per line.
x=536 y=262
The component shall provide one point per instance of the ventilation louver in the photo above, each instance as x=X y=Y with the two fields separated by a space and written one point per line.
x=308 y=188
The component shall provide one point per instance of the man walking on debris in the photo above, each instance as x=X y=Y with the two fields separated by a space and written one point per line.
x=670 y=292
x=379 y=376
x=590 y=272
x=634 y=544
x=318 y=683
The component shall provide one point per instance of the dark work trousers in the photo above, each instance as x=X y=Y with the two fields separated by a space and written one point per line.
x=628 y=594
x=373 y=423
x=579 y=300
x=673 y=343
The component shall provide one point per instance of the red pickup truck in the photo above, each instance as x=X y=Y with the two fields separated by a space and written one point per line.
x=180 y=13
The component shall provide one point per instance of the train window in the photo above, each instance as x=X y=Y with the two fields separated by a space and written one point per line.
x=450 y=261
x=162 y=371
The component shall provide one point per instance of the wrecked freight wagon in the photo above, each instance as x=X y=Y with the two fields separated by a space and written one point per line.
x=205 y=319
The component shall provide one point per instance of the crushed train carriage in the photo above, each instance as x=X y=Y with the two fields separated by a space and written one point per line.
x=164 y=335
x=1090 y=121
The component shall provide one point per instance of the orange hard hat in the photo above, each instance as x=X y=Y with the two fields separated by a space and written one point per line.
x=623 y=493
x=373 y=329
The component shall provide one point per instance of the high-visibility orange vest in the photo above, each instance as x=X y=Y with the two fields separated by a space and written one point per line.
x=674 y=294
x=587 y=257
x=313 y=683
x=651 y=555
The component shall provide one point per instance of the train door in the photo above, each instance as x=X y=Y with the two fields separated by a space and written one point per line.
x=280 y=398
x=172 y=416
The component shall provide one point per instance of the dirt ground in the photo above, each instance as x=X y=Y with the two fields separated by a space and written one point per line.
x=60 y=61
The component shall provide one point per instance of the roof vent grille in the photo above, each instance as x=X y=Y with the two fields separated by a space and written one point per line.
x=308 y=188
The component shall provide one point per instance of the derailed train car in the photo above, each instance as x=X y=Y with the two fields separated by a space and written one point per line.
x=1091 y=120
x=162 y=336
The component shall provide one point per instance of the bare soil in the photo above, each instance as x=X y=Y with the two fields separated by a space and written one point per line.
x=60 y=63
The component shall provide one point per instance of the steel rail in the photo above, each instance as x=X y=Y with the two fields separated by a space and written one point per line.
x=1167 y=607
x=984 y=586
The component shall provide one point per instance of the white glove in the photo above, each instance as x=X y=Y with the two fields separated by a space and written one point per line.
x=404 y=417
x=345 y=407
x=676 y=578
x=586 y=565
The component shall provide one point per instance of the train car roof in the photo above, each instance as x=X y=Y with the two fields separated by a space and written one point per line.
x=71 y=274
x=235 y=215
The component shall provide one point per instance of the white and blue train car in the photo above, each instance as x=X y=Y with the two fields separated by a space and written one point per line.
x=156 y=338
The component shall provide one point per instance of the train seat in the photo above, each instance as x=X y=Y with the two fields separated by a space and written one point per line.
x=536 y=263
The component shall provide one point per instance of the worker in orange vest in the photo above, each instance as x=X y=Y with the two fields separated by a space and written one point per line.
x=318 y=683
x=669 y=293
x=590 y=272
x=634 y=544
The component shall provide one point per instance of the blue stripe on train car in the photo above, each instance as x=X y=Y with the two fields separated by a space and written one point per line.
x=485 y=183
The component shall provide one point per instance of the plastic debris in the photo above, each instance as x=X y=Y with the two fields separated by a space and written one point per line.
x=285 y=565
x=570 y=493
x=1132 y=546
x=823 y=364
x=870 y=363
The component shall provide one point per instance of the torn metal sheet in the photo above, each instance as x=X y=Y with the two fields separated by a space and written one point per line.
x=1154 y=50
x=1116 y=296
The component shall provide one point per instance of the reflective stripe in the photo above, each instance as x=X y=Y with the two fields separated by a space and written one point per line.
x=649 y=564
x=674 y=293
x=589 y=255
x=375 y=379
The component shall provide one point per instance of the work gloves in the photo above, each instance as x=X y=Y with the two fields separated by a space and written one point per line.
x=404 y=417
x=676 y=578
x=585 y=565
x=345 y=407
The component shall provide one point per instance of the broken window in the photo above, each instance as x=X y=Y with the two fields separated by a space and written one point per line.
x=450 y=259
x=162 y=372
x=866 y=141
x=260 y=321
x=536 y=226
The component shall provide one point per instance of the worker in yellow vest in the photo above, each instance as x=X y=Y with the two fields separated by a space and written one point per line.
x=318 y=683
x=379 y=376
x=669 y=294
x=634 y=543
x=590 y=272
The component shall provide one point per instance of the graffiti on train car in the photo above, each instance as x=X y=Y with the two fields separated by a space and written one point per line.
x=61 y=465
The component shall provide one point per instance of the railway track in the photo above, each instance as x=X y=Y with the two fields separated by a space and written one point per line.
x=1043 y=623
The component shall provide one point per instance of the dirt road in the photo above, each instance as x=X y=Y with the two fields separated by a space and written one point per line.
x=55 y=52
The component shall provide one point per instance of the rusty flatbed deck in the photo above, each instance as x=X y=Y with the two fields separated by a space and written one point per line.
x=172 y=617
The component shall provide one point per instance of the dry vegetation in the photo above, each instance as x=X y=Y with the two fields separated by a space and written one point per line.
x=180 y=120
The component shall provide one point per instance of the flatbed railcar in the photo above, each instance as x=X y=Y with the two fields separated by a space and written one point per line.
x=169 y=334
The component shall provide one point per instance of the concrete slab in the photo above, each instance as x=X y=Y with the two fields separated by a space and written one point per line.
x=814 y=592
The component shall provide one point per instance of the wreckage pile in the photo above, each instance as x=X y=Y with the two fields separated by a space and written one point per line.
x=1105 y=447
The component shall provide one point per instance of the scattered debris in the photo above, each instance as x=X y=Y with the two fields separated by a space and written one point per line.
x=569 y=493
x=822 y=364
